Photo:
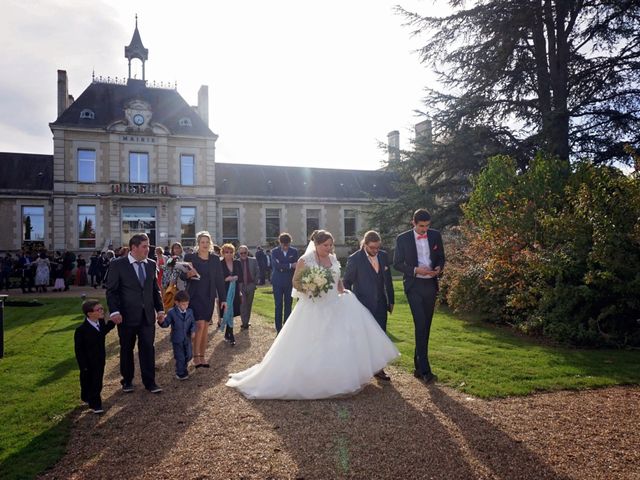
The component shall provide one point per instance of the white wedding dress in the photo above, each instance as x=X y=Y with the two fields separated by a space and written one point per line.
x=330 y=346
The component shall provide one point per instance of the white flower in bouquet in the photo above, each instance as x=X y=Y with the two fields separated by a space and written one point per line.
x=316 y=281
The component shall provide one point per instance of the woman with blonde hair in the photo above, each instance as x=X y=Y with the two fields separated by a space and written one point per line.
x=203 y=292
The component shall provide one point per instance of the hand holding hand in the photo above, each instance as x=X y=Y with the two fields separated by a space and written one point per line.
x=117 y=319
x=160 y=316
x=223 y=305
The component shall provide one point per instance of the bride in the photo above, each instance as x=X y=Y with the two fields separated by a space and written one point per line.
x=330 y=345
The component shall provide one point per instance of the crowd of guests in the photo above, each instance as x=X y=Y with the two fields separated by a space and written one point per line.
x=37 y=271
x=40 y=270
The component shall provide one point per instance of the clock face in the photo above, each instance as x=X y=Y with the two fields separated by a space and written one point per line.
x=138 y=119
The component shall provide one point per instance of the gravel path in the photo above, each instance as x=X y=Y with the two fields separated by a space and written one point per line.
x=200 y=429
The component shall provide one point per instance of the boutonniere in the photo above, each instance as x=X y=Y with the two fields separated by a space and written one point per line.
x=386 y=268
x=435 y=247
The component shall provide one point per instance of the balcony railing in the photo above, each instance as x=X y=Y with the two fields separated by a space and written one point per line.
x=139 y=189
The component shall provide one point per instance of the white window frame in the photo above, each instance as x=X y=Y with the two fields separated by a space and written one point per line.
x=84 y=160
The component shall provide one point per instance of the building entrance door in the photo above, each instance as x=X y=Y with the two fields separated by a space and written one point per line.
x=138 y=220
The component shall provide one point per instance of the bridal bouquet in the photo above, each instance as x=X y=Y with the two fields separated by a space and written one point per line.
x=316 y=281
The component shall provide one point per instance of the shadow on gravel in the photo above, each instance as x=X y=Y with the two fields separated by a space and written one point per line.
x=497 y=452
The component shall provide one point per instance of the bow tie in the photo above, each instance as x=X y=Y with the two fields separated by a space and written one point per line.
x=422 y=237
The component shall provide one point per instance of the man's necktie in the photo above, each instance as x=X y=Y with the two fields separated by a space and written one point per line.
x=245 y=272
x=141 y=275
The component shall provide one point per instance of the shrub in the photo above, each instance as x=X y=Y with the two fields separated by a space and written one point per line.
x=551 y=253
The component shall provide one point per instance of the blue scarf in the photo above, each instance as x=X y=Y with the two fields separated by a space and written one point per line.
x=227 y=318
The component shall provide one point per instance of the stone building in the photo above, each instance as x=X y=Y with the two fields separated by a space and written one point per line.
x=130 y=156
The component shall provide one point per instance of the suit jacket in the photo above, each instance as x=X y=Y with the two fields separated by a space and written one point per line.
x=89 y=344
x=137 y=304
x=215 y=274
x=254 y=271
x=362 y=279
x=406 y=254
x=283 y=264
x=261 y=257
x=181 y=330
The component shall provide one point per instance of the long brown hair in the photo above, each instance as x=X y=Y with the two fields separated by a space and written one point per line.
x=370 y=236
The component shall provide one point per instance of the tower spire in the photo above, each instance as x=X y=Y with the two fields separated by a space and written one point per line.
x=136 y=49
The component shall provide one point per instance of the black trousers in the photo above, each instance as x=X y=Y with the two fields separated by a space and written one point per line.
x=91 y=385
x=422 y=300
x=145 y=335
x=380 y=313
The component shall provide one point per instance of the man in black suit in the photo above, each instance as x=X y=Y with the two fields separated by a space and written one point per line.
x=135 y=304
x=419 y=255
x=90 y=353
x=369 y=277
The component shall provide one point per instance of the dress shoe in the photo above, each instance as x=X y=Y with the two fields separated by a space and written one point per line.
x=426 y=378
x=127 y=387
x=183 y=376
x=245 y=327
x=382 y=376
x=97 y=410
x=154 y=389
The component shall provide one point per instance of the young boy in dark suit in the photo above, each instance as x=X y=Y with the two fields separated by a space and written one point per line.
x=183 y=330
x=89 y=342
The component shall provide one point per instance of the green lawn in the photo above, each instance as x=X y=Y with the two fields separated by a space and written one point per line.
x=39 y=378
x=39 y=385
x=490 y=361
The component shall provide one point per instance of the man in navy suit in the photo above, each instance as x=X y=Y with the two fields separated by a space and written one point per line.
x=283 y=259
x=135 y=304
x=419 y=255
x=369 y=277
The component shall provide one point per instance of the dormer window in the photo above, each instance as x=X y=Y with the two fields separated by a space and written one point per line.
x=87 y=113
x=185 y=122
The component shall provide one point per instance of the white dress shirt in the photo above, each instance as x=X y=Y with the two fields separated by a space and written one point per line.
x=424 y=254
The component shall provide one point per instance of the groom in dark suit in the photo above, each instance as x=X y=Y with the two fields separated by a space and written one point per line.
x=419 y=255
x=135 y=304
x=369 y=277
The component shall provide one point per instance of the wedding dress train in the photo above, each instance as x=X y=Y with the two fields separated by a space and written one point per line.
x=329 y=346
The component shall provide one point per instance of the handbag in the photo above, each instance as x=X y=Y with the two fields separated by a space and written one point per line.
x=168 y=296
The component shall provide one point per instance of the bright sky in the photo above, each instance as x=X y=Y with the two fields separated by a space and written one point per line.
x=291 y=82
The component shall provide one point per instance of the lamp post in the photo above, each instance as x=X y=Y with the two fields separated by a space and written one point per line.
x=2 y=299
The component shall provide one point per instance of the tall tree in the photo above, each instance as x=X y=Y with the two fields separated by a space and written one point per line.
x=554 y=75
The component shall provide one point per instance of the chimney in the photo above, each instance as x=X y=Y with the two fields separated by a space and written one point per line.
x=423 y=133
x=393 y=145
x=203 y=103
x=63 y=91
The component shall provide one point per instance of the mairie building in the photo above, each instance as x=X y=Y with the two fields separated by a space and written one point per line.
x=131 y=156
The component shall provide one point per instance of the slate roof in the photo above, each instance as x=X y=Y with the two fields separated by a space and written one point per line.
x=108 y=100
x=26 y=171
x=302 y=182
x=29 y=172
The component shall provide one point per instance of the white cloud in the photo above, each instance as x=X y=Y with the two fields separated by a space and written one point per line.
x=290 y=82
